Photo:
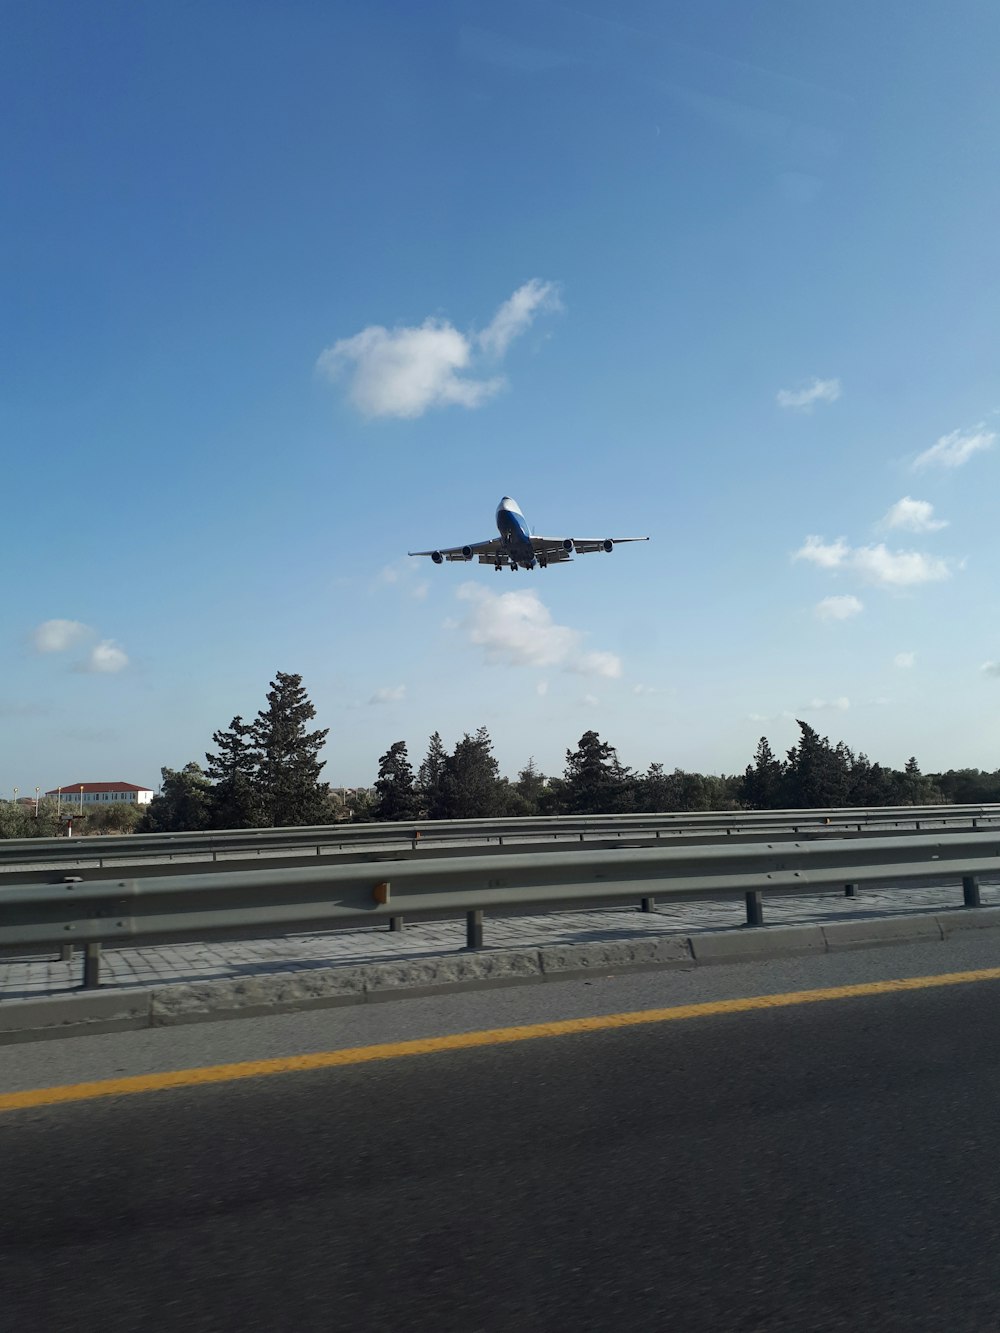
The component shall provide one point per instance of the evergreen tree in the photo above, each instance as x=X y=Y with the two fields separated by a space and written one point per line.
x=396 y=796
x=470 y=784
x=530 y=786
x=289 y=788
x=233 y=770
x=816 y=775
x=430 y=778
x=762 y=782
x=591 y=776
x=183 y=803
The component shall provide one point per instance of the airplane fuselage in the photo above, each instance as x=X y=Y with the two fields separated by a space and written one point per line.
x=514 y=533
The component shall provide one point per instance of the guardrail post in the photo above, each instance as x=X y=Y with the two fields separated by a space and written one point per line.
x=395 y=923
x=65 y=953
x=970 y=891
x=473 y=930
x=92 y=965
x=850 y=890
x=648 y=905
x=755 y=909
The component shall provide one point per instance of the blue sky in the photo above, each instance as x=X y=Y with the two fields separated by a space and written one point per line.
x=290 y=289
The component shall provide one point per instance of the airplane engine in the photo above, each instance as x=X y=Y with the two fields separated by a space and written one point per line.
x=466 y=552
x=609 y=545
x=437 y=557
x=568 y=544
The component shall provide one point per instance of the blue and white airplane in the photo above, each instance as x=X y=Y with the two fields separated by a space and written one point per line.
x=519 y=548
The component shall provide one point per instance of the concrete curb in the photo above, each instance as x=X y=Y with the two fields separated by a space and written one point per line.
x=84 y=1012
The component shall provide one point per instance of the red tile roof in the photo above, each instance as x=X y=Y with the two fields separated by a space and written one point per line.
x=97 y=786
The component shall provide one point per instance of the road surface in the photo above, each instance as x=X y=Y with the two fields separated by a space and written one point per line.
x=818 y=1166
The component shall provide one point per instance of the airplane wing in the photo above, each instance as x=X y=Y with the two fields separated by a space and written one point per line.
x=488 y=552
x=555 y=549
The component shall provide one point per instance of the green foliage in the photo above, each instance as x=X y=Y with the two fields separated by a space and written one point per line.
x=593 y=778
x=361 y=806
x=470 y=784
x=118 y=817
x=430 y=778
x=183 y=804
x=235 y=771
x=396 y=797
x=288 y=782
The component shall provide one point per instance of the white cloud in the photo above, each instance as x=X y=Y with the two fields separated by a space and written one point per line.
x=542 y=688
x=105 y=658
x=840 y=705
x=957 y=448
x=388 y=694
x=783 y=716
x=55 y=636
x=646 y=689
x=590 y=701
x=838 y=608
x=876 y=564
x=820 y=391
x=598 y=664
x=516 y=629
x=904 y=661
x=898 y=569
x=828 y=555
x=516 y=314
x=990 y=668
x=403 y=372
x=913 y=516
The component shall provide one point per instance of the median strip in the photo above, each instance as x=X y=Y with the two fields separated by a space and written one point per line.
x=357 y=1055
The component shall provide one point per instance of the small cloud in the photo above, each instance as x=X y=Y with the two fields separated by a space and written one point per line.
x=898 y=569
x=990 y=668
x=388 y=694
x=56 y=636
x=783 y=716
x=542 y=688
x=828 y=555
x=876 y=564
x=840 y=705
x=516 y=629
x=643 y=690
x=904 y=661
x=598 y=664
x=820 y=391
x=390 y=574
x=105 y=658
x=516 y=315
x=419 y=591
x=838 y=608
x=406 y=371
x=910 y=515
x=590 y=701
x=956 y=449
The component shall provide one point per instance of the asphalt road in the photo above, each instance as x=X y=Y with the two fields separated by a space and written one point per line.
x=821 y=1167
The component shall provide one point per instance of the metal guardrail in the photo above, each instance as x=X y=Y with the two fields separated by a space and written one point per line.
x=195 y=906
x=323 y=839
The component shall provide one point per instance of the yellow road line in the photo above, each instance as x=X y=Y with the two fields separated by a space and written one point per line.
x=460 y=1041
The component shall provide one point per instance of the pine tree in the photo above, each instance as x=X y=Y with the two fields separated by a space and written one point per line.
x=470 y=785
x=530 y=785
x=590 y=786
x=817 y=775
x=762 y=782
x=396 y=796
x=289 y=788
x=233 y=770
x=430 y=777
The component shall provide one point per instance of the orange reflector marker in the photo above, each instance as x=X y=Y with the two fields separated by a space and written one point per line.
x=380 y=893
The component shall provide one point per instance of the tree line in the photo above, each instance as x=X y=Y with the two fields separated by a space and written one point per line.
x=266 y=773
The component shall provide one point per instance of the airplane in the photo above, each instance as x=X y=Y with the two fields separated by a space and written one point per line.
x=518 y=548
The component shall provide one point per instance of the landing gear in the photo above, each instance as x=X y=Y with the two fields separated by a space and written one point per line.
x=513 y=567
x=496 y=566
